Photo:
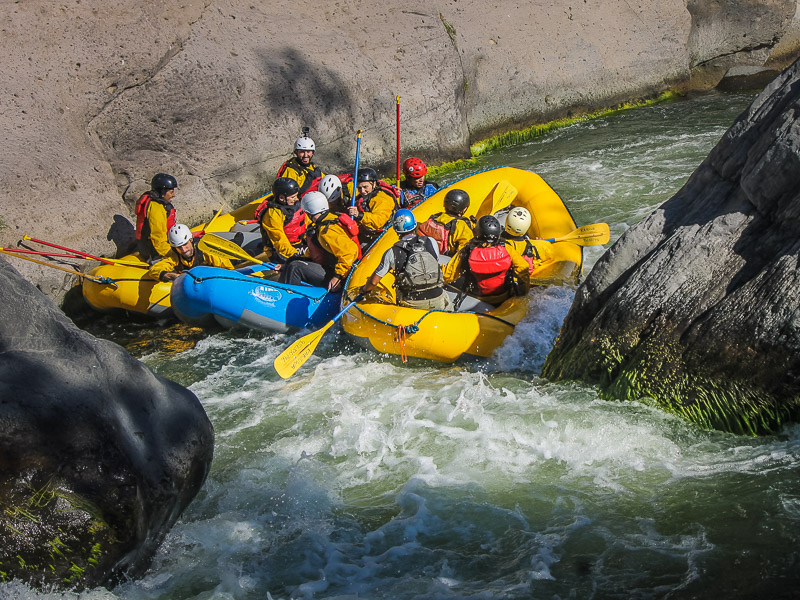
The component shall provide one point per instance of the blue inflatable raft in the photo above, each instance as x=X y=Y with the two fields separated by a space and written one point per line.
x=242 y=298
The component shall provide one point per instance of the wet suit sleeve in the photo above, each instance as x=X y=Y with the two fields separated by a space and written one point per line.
x=157 y=217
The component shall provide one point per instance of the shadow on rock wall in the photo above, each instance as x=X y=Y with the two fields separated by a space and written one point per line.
x=306 y=91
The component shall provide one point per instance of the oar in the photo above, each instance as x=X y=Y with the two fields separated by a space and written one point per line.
x=213 y=244
x=100 y=280
x=79 y=254
x=214 y=218
x=596 y=234
x=295 y=356
x=501 y=196
x=37 y=253
x=355 y=174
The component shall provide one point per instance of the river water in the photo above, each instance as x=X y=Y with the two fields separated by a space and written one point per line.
x=362 y=477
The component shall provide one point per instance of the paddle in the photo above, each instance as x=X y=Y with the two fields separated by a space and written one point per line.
x=596 y=234
x=79 y=254
x=99 y=280
x=214 y=218
x=295 y=356
x=213 y=244
x=38 y=253
x=355 y=175
x=502 y=194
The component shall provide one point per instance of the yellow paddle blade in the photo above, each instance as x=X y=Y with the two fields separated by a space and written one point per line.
x=596 y=234
x=295 y=356
x=501 y=196
x=213 y=244
x=214 y=218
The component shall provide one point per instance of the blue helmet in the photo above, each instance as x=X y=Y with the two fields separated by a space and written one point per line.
x=404 y=221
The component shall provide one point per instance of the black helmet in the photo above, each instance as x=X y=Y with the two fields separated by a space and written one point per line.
x=367 y=175
x=488 y=229
x=284 y=186
x=456 y=202
x=162 y=182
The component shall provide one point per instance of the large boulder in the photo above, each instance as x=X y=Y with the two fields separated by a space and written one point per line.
x=698 y=305
x=98 y=455
x=100 y=95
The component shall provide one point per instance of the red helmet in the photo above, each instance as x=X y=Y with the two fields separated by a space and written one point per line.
x=414 y=167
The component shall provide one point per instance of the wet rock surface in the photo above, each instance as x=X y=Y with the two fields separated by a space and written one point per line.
x=98 y=455
x=698 y=305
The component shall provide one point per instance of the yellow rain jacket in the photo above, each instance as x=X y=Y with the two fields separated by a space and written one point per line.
x=174 y=262
x=376 y=211
x=462 y=233
x=536 y=252
x=339 y=250
x=304 y=176
x=272 y=223
x=157 y=221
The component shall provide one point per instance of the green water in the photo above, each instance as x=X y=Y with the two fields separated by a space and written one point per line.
x=362 y=477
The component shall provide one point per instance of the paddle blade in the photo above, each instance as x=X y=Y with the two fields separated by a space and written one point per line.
x=295 y=356
x=596 y=234
x=501 y=196
x=213 y=244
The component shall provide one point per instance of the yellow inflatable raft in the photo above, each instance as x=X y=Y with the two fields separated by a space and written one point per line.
x=477 y=329
x=129 y=286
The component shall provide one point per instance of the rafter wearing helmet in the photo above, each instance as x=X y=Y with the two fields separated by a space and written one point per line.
x=535 y=251
x=184 y=255
x=155 y=215
x=487 y=267
x=301 y=166
x=374 y=205
x=451 y=229
x=281 y=222
x=414 y=188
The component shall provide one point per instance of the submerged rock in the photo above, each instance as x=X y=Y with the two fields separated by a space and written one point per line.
x=98 y=455
x=698 y=305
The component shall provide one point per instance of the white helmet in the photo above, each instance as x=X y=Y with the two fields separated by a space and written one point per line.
x=178 y=235
x=331 y=186
x=304 y=143
x=314 y=203
x=518 y=221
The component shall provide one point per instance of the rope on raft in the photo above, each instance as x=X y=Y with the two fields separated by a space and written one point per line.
x=414 y=327
x=264 y=282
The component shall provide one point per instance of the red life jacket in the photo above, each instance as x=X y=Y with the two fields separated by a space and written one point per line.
x=489 y=266
x=441 y=232
x=294 y=225
x=321 y=256
x=141 y=213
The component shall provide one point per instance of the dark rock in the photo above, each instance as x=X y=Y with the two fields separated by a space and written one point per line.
x=98 y=455
x=698 y=305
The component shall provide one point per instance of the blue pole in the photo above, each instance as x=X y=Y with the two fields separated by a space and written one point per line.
x=355 y=175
